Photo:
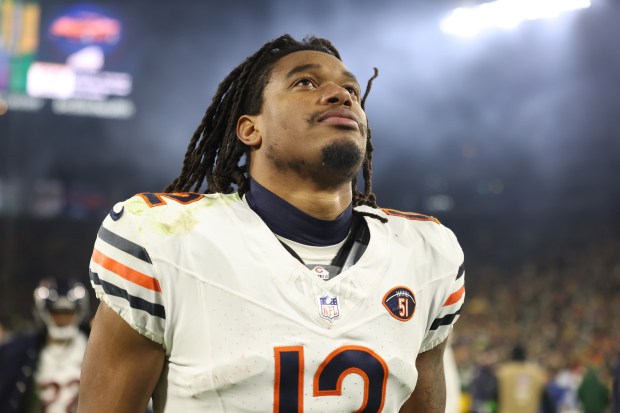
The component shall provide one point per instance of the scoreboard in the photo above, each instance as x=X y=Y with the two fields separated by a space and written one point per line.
x=70 y=56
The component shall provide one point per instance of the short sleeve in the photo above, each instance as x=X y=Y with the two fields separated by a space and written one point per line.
x=449 y=310
x=124 y=276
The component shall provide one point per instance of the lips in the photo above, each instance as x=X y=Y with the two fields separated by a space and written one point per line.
x=339 y=116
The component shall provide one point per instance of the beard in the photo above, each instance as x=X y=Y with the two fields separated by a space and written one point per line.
x=339 y=163
x=342 y=156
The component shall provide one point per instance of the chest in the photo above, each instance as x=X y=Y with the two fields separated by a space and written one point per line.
x=254 y=331
x=58 y=375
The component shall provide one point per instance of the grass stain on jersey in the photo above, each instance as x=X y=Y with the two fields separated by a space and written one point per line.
x=169 y=218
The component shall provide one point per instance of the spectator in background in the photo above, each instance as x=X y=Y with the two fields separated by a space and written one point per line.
x=593 y=394
x=567 y=380
x=522 y=385
x=41 y=371
x=483 y=387
x=561 y=393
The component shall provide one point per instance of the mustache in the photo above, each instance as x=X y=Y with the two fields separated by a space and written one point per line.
x=314 y=117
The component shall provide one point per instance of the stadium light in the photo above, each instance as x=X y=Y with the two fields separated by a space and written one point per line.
x=505 y=14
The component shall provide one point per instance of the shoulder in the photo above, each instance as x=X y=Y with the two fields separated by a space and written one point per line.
x=408 y=216
x=404 y=220
x=22 y=350
x=151 y=213
x=414 y=229
x=22 y=343
x=17 y=357
x=159 y=205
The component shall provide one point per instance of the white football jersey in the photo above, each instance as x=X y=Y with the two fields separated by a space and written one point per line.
x=58 y=375
x=246 y=327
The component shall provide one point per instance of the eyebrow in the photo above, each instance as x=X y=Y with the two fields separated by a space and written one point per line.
x=315 y=66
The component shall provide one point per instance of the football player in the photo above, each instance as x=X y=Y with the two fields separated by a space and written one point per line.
x=281 y=287
x=41 y=371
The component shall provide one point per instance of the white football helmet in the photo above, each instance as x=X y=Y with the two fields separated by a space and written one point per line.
x=61 y=295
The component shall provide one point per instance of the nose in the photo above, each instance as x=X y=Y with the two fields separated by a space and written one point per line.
x=336 y=95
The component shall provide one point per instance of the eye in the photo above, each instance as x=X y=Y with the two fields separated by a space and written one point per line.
x=353 y=91
x=305 y=82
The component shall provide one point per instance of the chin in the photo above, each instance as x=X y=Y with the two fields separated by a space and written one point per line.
x=344 y=156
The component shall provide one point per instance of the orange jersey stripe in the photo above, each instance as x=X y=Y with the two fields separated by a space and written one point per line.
x=412 y=216
x=124 y=271
x=455 y=296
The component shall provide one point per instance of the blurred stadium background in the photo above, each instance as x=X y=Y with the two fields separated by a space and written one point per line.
x=508 y=132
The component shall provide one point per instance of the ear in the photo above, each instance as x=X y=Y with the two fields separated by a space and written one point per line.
x=247 y=131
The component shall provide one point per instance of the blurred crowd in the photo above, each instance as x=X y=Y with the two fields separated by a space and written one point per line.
x=561 y=306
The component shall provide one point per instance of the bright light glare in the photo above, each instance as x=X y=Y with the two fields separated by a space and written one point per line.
x=506 y=14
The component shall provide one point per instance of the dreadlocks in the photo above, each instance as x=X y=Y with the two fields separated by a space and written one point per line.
x=214 y=153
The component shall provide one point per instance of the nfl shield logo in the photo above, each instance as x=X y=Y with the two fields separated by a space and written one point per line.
x=329 y=308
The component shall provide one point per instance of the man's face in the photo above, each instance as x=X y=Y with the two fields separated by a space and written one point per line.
x=63 y=318
x=312 y=122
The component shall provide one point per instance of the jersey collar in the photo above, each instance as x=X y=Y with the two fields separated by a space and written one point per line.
x=289 y=222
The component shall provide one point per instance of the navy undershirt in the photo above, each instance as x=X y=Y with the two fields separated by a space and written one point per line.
x=291 y=223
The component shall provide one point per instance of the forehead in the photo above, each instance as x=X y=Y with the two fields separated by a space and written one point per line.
x=307 y=60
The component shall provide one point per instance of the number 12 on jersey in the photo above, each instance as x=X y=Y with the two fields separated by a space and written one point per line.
x=289 y=377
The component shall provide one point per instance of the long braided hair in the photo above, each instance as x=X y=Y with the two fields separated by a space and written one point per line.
x=214 y=153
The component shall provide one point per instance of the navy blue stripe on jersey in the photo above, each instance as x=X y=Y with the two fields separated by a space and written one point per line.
x=445 y=320
x=138 y=303
x=461 y=271
x=124 y=244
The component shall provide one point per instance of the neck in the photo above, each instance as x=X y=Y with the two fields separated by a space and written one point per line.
x=318 y=202
x=286 y=220
x=64 y=341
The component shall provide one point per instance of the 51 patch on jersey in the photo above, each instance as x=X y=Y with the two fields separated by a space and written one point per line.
x=400 y=302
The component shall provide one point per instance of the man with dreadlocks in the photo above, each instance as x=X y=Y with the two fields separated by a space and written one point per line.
x=279 y=287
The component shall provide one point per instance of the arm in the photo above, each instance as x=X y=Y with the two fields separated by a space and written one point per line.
x=121 y=367
x=429 y=395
